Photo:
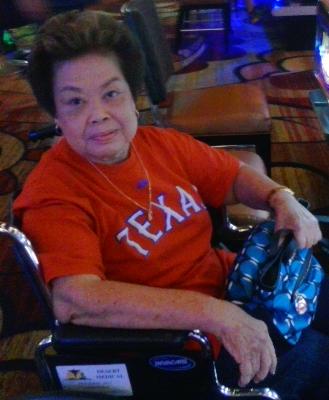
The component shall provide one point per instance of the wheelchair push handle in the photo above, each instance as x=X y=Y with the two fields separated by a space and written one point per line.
x=48 y=131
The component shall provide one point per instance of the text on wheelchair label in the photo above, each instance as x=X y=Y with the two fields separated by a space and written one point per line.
x=105 y=378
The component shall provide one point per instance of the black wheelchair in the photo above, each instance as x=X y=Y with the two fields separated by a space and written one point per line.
x=120 y=363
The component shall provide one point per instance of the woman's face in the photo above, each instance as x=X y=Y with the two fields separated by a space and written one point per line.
x=94 y=107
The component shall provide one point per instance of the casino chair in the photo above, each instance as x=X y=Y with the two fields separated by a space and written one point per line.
x=184 y=21
x=125 y=363
x=184 y=10
x=235 y=114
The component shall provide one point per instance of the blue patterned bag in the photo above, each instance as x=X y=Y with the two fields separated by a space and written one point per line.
x=271 y=272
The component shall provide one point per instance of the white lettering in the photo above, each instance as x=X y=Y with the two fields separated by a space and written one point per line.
x=187 y=201
x=202 y=205
x=143 y=228
x=169 y=213
x=124 y=234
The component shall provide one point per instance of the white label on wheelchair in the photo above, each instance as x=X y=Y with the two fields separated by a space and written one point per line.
x=106 y=378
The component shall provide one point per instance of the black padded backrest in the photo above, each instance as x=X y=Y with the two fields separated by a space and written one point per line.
x=142 y=19
x=29 y=264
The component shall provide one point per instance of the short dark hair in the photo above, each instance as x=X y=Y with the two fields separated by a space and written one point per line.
x=72 y=34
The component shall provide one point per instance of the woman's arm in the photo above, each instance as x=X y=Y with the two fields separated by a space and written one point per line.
x=88 y=300
x=255 y=190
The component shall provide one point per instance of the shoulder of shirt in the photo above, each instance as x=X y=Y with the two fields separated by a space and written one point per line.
x=154 y=133
x=182 y=145
x=48 y=170
x=178 y=141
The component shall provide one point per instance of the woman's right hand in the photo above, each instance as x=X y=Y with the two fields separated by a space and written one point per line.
x=248 y=342
x=89 y=300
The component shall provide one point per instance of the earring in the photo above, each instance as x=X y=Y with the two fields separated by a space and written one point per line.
x=137 y=113
x=58 y=131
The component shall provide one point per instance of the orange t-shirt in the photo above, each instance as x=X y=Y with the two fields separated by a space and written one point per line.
x=80 y=224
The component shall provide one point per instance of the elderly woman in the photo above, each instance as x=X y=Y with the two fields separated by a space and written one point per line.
x=117 y=212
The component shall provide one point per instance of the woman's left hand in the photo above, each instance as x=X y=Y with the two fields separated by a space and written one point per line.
x=256 y=190
x=290 y=214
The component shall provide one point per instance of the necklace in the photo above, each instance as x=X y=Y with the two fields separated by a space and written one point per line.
x=148 y=209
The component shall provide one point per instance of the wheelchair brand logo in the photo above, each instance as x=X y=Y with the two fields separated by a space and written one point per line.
x=172 y=363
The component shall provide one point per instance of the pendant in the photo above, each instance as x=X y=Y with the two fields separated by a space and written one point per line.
x=142 y=184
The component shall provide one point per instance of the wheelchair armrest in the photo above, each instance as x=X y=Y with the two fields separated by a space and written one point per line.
x=76 y=337
x=225 y=232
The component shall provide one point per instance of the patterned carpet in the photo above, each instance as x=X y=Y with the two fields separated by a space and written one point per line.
x=300 y=153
